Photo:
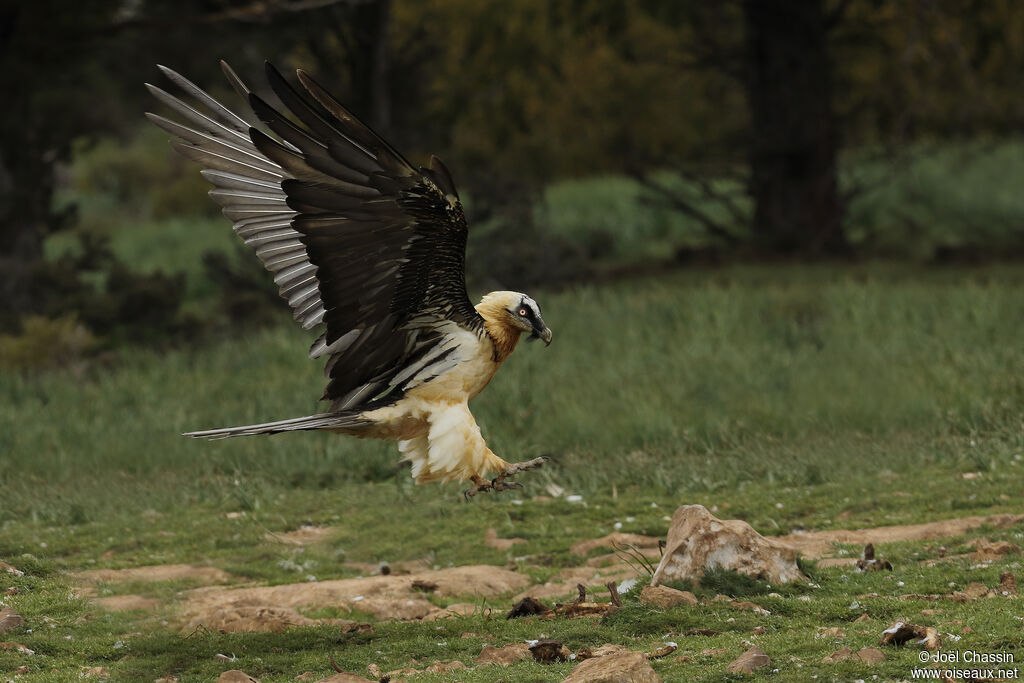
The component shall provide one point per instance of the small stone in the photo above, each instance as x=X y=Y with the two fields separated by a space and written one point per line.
x=870 y=655
x=749 y=662
x=838 y=656
x=9 y=620
x=504 y=656
x=665 y=597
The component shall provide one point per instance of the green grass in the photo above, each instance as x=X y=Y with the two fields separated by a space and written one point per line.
x=783 y=396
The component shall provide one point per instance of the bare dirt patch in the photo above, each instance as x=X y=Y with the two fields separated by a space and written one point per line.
x=816 y=544
x=386 y=597
x=159 y=572
x=614 y=540
x=123 y=603
x=304 y=535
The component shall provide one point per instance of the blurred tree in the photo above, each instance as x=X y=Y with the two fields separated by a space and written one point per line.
x=48 y=63
x=794 y=140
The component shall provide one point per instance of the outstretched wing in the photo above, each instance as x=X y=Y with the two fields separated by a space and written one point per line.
x=357 y=239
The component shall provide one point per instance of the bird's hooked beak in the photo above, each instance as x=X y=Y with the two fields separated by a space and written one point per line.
x=541 y=331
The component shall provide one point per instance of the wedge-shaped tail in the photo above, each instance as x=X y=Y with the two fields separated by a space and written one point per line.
x=338 y=421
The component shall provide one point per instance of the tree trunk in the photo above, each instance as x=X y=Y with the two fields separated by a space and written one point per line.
x=368 y=63
x=793 y=179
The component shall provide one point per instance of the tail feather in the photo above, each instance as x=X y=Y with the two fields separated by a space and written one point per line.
x=321 y=421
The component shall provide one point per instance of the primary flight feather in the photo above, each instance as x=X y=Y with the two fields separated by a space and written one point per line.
x=372 y=250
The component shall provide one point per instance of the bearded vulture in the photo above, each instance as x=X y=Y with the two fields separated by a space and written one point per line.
x=371 y=250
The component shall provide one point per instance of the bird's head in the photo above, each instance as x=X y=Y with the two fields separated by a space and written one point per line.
x=515 y=311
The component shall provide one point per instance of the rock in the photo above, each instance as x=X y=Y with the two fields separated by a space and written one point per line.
x=236 y=676
x=549 y=651
x=840 y=655
x=748 y=662
x=504 y=656
x=614 y=540
x=665 y=597
x=621 y=667
x=249 y=618
x=9 y=569
x=901 y=633
x=972 y=592
x=491 y=540
x=870 y=655
x=445 y=667
x=697 y=541
x=1007 y=584
x=9 y=620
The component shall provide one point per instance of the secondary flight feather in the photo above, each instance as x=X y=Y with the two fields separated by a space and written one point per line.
x=372 y=251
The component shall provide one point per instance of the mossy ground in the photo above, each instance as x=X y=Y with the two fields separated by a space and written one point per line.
x=793 y=398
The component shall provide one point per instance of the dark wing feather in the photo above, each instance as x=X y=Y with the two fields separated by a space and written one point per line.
x=358 y=239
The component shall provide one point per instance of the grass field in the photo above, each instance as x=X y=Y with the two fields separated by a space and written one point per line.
x=810 y=397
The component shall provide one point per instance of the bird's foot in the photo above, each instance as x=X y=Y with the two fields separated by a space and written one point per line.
x=499 y=483
x=480 y=485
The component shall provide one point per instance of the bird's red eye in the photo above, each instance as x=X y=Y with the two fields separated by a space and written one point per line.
x=522 y=312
